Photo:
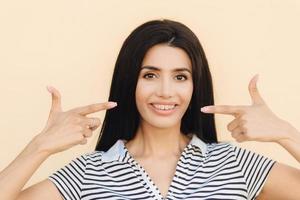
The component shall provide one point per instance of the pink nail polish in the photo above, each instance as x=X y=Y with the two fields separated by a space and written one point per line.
x=49 y=88
x=112 y=104
x=204 y=109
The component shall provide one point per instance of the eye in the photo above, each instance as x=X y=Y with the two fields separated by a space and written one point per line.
x=148 y=75
x=181 y=77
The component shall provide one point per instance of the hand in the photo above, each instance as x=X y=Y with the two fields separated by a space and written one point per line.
x=66 y=129
x=255 y=122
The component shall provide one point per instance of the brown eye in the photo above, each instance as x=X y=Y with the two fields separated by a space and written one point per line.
x=181 y=77
x=149 y=75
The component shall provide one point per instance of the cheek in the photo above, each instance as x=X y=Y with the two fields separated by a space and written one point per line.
x=186 y=92
x=142 y=92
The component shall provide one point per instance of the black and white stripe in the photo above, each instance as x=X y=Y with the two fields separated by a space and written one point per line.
x=204 y=171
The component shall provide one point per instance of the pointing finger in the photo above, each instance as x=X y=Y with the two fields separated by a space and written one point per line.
x=56 y=99
x=253 y=90
x=223 y=109
x=85 y=110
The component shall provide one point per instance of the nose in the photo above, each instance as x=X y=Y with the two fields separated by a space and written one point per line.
x=165 y=88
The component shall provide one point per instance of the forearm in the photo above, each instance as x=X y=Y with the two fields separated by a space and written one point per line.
x=16 y=174
x=292 y=143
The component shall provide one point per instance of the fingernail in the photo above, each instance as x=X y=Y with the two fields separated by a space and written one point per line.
x=204 y=109
x=112 y=104
x=49 y=88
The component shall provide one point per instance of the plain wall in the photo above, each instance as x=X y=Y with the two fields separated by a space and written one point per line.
x=73 y=46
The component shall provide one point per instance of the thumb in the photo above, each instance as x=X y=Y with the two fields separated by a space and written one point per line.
x=254 y=93
x=56 y=99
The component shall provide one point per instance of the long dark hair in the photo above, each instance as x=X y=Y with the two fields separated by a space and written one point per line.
x=122 y=121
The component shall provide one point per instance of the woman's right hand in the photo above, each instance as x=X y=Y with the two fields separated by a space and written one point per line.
x=66 y=129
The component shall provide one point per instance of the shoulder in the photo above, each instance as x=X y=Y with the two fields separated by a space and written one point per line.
x=233 y=151
x=91 y=157
x=226 y=147
x=86 y=159
x=221 y=148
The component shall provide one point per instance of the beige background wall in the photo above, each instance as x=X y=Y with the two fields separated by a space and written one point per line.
x=73 y=45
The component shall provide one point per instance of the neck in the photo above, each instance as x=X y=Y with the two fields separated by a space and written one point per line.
x=157 y=142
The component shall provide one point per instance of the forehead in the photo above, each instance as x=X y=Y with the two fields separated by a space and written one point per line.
x=166 y=57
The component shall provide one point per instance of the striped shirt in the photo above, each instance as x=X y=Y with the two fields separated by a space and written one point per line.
x=203 y=171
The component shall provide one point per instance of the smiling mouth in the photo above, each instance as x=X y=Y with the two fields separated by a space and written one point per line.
x=163 y=107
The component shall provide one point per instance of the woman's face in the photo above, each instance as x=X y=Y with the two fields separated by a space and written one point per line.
x=165 y=86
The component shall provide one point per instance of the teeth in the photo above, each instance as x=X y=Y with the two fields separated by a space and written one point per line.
x=164 y=107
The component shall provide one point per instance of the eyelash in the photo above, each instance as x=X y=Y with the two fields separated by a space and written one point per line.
x=145 y=76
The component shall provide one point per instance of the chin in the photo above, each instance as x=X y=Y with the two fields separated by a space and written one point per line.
x=163 y=124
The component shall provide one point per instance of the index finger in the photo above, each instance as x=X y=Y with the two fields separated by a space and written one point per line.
x=85 y=110
x=223 y=109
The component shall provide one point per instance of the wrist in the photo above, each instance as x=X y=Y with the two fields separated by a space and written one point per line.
x=295 y=135
x=291 y=135
x=36 y=147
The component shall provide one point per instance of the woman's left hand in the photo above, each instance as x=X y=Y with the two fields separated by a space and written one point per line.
x=255 y=122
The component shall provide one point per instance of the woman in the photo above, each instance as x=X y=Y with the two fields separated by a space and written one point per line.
x=155 y=143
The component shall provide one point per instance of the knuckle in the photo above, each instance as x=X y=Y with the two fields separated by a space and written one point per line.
x=80 y=137
x=238 y=115
x=78 y=128
x=242 y=118
x=97 y=121
x=88 y=134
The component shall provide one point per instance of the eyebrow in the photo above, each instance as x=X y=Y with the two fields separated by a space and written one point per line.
x=157 y=69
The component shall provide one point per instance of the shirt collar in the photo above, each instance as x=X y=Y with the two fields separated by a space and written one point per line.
x=118 y=151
